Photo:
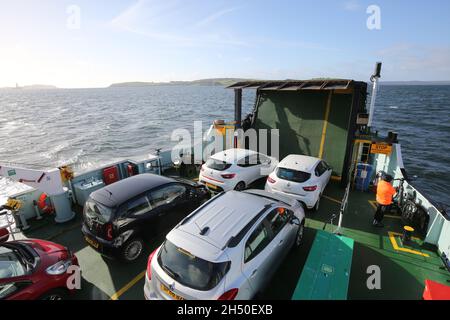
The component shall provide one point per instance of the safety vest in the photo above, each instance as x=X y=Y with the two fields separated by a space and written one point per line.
x=385 y=192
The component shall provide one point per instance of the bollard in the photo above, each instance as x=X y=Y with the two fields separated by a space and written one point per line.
x=407 y=234
x=36 y=210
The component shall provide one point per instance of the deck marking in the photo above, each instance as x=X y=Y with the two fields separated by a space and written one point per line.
x=128 y=286
x=373 y=203
x=332 y=199
x=396 y=247
x=62 y=232
x=325 y=125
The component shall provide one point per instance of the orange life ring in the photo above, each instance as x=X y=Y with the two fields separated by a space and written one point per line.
x=44 y=204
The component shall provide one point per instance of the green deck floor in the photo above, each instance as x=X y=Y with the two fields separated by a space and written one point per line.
x=402 y=273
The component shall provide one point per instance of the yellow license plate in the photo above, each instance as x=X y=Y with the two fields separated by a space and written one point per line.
x=93 y=243
x=209 y=185
x=170 y=293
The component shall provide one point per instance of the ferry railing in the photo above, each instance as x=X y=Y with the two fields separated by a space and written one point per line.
x=342 y=209
x=9 y=226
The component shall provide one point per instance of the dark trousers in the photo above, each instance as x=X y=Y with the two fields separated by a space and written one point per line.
x=381 y=211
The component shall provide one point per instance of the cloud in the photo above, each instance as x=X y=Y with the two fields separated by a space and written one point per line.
x=213 y=17
x=168 y=23
x=416 y=62
x=129 y=15
x=352 y=5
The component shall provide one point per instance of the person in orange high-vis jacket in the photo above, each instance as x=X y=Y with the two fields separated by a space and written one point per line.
x=385 y=194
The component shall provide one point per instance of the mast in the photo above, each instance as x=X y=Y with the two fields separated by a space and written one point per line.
x=374 y=78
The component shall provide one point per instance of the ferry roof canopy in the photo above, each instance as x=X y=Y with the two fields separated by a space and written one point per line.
x=295 y=85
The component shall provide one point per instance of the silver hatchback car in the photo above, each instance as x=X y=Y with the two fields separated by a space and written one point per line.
x=227 y=249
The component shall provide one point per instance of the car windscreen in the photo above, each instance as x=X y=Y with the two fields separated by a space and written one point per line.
x=293 y=175
x=95 y=210
x=218 y=165
x=12 y=264
x=190 y=270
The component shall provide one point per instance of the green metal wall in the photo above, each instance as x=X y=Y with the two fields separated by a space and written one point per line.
x=299 y=115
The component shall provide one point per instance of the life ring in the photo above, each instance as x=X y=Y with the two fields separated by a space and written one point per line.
x=45 y=204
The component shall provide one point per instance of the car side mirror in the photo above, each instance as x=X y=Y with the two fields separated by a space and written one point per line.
x=295 y=221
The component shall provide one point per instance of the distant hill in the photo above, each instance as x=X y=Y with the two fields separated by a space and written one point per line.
x=202 y=82
x=33 y=87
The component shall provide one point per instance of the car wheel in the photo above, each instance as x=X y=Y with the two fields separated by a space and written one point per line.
x=240 y=186
x=299 y=235
x=132 y=250
x=57 y=294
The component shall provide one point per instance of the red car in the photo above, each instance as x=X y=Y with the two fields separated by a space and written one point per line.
x=34 y=269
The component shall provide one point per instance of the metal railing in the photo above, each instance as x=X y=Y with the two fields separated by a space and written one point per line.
x=10 y=224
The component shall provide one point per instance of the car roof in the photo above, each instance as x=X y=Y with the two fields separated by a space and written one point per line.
x=299 y=162
x=223 y=217
x=274 y=197
x=118 y=192
x=233 y=155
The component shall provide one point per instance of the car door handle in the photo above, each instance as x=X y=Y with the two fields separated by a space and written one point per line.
x=254 y=273
x=281 y=241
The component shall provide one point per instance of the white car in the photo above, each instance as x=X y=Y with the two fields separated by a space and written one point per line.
x=301 y=177
x=227 y=249
x=235 y=169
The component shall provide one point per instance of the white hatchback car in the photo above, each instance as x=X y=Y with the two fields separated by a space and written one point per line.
x=235 y=169
x=227 y=249
x=301 y=177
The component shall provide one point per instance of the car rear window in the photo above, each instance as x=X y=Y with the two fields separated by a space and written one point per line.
x=218 y=165
x=189 y=270
x=293 y=175
x=93 y=209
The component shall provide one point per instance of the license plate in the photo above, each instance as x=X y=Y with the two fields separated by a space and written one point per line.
x=209 y=185
x=93 y=243
x=170 y=293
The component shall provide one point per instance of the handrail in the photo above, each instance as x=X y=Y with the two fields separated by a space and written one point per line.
x=344 y=203
x=9 y=223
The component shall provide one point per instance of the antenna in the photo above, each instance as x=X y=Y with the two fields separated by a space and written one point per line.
x=374 y=79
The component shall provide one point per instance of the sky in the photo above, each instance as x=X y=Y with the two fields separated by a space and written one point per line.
x=90 y=43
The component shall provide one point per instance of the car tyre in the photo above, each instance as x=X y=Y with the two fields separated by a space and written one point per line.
x=299 y=236
x=132 y=250
x=56 y=294
x=240 y=186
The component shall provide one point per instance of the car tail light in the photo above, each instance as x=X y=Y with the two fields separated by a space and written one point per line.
x=270 y=180
x=228 y=175
x=109 y=231
x=229 y=295
x=149 y=264
x=312 y=188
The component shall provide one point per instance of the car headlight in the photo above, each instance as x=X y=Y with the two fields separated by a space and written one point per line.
x=59 y=268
